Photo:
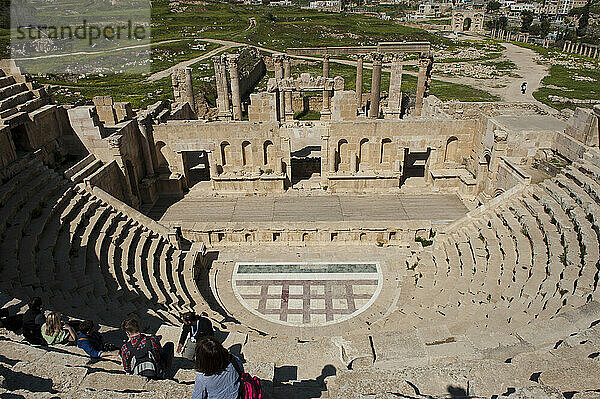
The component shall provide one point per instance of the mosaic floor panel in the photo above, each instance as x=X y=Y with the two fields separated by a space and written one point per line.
x=306 y=294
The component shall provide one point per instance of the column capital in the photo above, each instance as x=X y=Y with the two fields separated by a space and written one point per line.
x=360 y=56
x=377 y=57
x=232 y=60
x=397 y=57
x=326 y=57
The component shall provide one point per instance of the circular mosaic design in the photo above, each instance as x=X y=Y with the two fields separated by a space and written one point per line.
x=307 y=294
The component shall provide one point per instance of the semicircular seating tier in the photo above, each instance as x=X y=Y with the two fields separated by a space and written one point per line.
x=84 y=256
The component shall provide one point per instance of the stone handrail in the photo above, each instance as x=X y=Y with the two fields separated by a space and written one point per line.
x=481 y=209
x=136 y=215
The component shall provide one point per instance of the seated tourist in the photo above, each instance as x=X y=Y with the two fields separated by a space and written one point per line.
x=194 y=328
x=10 y=322
x=142 y=354
x=217 y=377
x=56 y=332
x=33 y=319
x=91 y=342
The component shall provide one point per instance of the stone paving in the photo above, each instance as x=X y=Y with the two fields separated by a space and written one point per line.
x=306 y=294
x=440 y=208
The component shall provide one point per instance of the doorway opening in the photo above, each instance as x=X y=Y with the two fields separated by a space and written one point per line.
x=415 y=164
x=20 y=138
x=197 y=167
x=306 y=167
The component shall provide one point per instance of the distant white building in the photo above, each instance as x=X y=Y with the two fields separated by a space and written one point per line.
x=281 y=3
x=326 y=5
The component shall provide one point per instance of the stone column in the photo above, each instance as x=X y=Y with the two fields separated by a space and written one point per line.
x=278 y=63
x=146 y=143
x=421 y=82
x=332 y=159
x=325 y=112
x=287 y=74
x=375 y=85
x=353 y=160
x=326 y=109
x=395 y=91
x=565 y=46
x=326 y=66
x=595 y=53
x=234 y=77
x=359 y=82
x=223 y=110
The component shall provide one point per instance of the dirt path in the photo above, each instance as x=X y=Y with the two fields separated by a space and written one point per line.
x=508 y=88
x=167 y=72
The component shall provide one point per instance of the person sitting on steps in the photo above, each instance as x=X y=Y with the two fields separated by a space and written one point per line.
x=218 y=377
x=91 y=342
x=33 y=319
x=56 y=332
x=194 y=328
x=143 y=355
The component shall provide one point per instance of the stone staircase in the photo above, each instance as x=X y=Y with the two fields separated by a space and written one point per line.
x=16 y=98
x=85 y=257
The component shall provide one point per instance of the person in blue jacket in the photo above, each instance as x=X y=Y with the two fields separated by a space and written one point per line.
x=91 y=342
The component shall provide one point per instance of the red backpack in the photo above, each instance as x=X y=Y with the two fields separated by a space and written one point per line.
x=249 y=386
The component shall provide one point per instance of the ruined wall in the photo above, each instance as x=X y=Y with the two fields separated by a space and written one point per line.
x=45 y=125
x=263 y=107
x=584 y=127
x=250 y=77
x=243 y=156
x=120 y=143
x=110 y=179
x=7 y=148
x=415 y=135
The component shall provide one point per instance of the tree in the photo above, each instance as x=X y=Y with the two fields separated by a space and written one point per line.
x=584 y=20
x=545 y=27
x=493 y=6
x=502 y=22
x=526 y=20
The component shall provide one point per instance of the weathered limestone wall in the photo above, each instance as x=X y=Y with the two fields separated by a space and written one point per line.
x=370 y=155
x=243 y=156
x=110 y=179
x=250 y=77
x=307 y=233
x=121 y=143
x=45 y=125
x=263 y=107
x=584 y=127
x=7 y=148
x=343 y=106
x=509 y=175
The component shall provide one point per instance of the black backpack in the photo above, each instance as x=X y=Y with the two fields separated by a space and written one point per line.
x=143 y=361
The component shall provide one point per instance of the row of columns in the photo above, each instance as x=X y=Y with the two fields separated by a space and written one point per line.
x=502 y=34
x=395 y=90
x=584 y=49
x=283 y=71
x=223 y=64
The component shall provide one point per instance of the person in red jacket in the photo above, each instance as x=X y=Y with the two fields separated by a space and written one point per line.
x=143 y=355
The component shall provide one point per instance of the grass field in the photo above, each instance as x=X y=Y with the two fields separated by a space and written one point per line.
x=570 y=83
x=571 y=76
x=279 y=27
x=276 y=28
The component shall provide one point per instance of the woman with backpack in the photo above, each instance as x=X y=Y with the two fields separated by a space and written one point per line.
x=217 y=377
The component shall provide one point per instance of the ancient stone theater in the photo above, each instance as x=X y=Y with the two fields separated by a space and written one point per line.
x=395 y=246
